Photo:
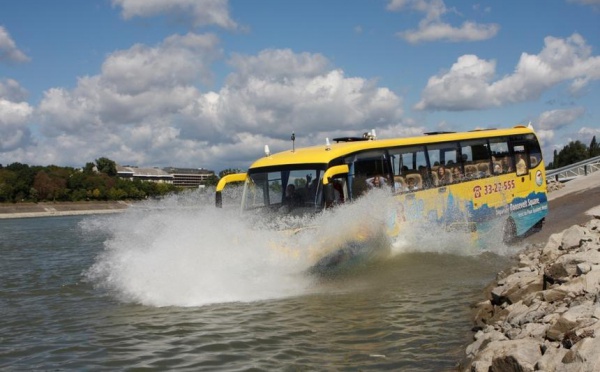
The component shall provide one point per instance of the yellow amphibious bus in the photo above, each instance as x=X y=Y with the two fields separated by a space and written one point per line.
x=459 y=181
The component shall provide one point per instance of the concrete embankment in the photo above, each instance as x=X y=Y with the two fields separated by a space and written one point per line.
x=48 y=209
x=543 y=314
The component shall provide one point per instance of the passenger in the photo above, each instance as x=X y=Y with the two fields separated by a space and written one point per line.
x=411 y=186
x=521 y=166
x=443 y=176
x=456 y=174
x=291 y=197
x=376 y=181
x=506 y=167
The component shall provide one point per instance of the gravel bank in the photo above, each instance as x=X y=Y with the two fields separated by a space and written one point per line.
x=27 y=210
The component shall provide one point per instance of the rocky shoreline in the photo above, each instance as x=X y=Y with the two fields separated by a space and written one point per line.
x=543 y=314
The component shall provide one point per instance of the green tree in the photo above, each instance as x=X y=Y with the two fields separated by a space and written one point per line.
x=106 y=166
x=571 y=153
x=89 y=168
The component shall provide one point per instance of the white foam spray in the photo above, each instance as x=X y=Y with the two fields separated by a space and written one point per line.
x=182 y=251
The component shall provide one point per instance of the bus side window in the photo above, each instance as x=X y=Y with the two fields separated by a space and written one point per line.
x=520 y=160
x=535 y=153
x=501 y=162
x=366 y=166
x=445 y=164
x=410 y=162
x=477 y=161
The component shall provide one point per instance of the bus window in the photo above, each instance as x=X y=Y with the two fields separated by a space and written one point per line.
x=520 y=159
x=535 y=153
x=369 y=169
x=476 y=158
x=410 y=164
x=501 y=160
x=444 y=163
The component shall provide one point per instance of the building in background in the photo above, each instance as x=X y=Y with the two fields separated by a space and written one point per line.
x=190 y=177
x=180 y=177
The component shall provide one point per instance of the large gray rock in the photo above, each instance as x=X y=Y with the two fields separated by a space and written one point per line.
x=516 y=286
x=573 y=237
x=510 y=355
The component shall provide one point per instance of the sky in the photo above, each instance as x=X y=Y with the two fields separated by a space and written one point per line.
x=209 y=83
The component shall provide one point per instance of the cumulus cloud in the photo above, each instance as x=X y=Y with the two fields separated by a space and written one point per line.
x=558 y=119
x=8 y=49
x=549 y=122
x=432 y=28
x=189 y=12
x=470 y=85
x=148 y=107
x=14 y=116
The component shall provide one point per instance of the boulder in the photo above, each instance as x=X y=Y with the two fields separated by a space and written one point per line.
x=516 y=286
x=510 y=355
x=573 y=236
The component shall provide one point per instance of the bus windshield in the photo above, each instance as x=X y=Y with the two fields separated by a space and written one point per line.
x=296 y=189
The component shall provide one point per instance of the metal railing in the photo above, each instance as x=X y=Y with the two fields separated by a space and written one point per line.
x=567 y=173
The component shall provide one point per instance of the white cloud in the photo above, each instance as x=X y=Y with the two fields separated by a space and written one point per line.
x=14 y=117
x=11 y=90
x=558 y=119
x=8 y=49
x=147 y=107
x=190 y=12
x=432 y=28
x=548 y=123
x=469 y=84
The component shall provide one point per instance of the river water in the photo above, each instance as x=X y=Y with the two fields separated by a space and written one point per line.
x=178 y=284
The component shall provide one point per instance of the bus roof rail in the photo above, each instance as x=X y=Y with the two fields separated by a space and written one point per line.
x=439 y=132
x=349 y=139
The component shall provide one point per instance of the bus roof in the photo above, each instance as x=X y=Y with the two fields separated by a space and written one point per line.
x=321 y=155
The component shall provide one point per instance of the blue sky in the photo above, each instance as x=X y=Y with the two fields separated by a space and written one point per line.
x=207 y=83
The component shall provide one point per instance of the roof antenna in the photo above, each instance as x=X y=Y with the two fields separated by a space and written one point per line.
x=293 y=141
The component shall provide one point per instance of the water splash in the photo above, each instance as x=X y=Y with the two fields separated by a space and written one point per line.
x=185 y=252
x=182 y=251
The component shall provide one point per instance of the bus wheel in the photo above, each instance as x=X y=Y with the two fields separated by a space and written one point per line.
x=509 y=234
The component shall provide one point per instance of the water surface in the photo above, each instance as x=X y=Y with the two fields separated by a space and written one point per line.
x=178 y=284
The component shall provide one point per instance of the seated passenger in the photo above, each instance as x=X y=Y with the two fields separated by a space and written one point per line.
x=413 y=182
x=444 y=177
x=457 y=174
x=412 y=185
x=521 y=166
x=292 y=198
x=471 y=171
x=376 y=181
x=399 y=184
x=506 y=166
x=484 y=169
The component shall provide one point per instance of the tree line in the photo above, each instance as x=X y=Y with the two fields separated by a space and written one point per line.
x=573 y=152
x=99 y=180
x=96 y=181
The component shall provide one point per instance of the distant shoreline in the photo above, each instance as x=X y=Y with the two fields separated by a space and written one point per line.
x=49 y=209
